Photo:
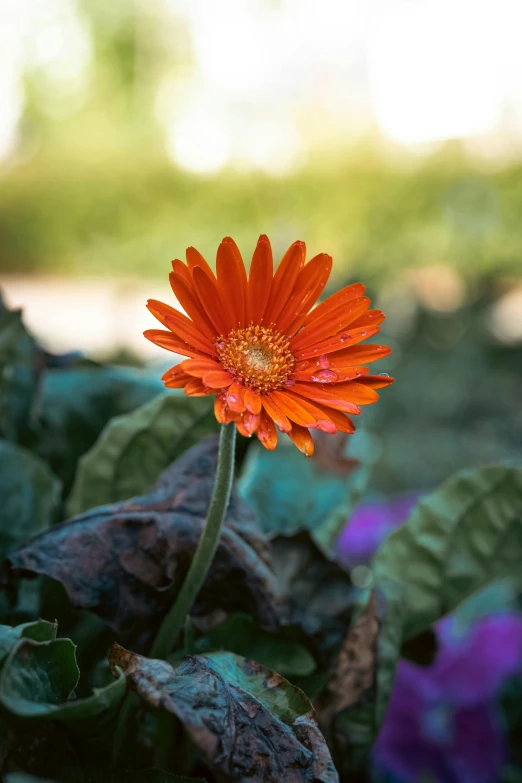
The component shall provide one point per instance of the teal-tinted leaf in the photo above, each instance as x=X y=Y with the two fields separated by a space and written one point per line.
x=39 y=631
x=134 y=449
x=74 y=405
x=29 y=495
x=38 y=682
x=97 y=775
x=240 y=634
x=290 y=494
x=456 y=541
x=248 y=722
x=21 y=362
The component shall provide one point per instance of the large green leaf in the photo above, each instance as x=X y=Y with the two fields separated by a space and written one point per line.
x=38 y=682
x=134 y=449
x=21 y=362
x=29 y=495
x=39 y=631
x=241 y=635
x=291 y=494
x=74 y=405
x=456 y=541
x=248 y=722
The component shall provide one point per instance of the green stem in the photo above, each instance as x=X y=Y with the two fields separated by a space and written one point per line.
x=206 y=549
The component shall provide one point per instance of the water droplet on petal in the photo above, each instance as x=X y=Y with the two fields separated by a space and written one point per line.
x=325 y=376
x=345 y=336
x=384 y=374
x=232 y=398
x=302 y=366
x=290 y=382
x=324 y=363
x=364 y=333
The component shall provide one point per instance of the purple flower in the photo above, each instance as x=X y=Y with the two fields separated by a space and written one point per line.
x=443 y=719
x=369 y=525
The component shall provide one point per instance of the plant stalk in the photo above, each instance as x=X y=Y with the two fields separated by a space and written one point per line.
x=174 y=621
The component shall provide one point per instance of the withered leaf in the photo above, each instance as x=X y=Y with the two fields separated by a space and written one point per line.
x=317 y=591
x=127 y=561
x=248 y=722
x=354 y=673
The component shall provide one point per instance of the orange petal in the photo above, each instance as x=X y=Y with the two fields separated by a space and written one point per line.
x=340 y=420
x=318 y=374
x=337 y=343
x=371 y=319
x=308 y=286
x=232 y=283
x=351 y=392
x=199 y=367
x=330 y=323
x=259 y=280
x=194 y=258
x=217 y=379
x=183 y=271
x=376 y=381
x=189 y=301
x=358 y=354
x=275 y=413
x=180 y=325
x=323 y=421
x=251 y=421
x=301 y=437
x=266 y=432
x=168 y=341
x=195 y=388
x=207 y=292
x=291 y=408
x=252 y=400
x=317 y=393
x=220 y=408
x=241 y=428
x=354 y=291
x=235 y=397
x=284 y=279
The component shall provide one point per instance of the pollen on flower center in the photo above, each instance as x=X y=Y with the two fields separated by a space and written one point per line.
x=258 y=356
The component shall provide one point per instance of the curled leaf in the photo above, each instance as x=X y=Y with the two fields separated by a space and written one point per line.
x=248 y=722
x=127 y=561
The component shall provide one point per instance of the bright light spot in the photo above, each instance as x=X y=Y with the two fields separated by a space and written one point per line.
x=439 y=287
x=436 y=67
x=200 y=139
x=361 y=576
x=506 y=317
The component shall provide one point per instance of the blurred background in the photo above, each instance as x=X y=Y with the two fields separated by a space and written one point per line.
x=387 y=133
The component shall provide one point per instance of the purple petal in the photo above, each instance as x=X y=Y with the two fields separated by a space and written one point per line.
x=369 y=525
x=472 y=669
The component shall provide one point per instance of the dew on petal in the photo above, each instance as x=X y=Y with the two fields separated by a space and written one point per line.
x=325 y=376
x=290 y=382
x=302 y=366
x=233 y=398
x=345 y=336
x=324 y=363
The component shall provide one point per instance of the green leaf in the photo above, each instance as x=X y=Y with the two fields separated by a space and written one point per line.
x=39 y=631
x=273 y=691
x=134 y=449
x=20 y=364
x=247 y=721
x=38 y=682
x=457 y=540
x=30 y=495
x=74 y=405
x=291 y=494
x=241 y=635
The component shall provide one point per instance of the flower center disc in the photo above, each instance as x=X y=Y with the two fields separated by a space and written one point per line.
x=259 y=357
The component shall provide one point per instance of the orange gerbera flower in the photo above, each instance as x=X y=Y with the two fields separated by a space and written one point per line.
x=258 y=345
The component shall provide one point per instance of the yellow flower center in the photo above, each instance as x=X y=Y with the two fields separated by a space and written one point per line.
x=259 y=357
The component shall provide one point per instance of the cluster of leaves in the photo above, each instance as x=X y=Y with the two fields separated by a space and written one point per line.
x=285 y=667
